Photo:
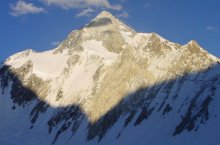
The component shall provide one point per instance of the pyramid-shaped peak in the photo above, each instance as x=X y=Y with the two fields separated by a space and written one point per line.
x=193 y=42
x=104 y=19
x=105 y=14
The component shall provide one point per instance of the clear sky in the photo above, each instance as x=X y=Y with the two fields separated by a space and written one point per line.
x=42 y=24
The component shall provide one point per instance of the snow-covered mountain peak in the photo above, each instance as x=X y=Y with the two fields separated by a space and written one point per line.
x=19 y=55
x=105 y=28
x=105 y=14
x=106 y=19
x=195 y=45
x=193 y=42
x=103 y=19
x=107 y=84
x=194 y=48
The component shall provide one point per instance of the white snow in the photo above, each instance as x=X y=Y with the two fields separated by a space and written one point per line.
x=159 y=64
x=141 y=39
x=96 y=48
x=127 y=36
x=214 y=58
x=45 y=65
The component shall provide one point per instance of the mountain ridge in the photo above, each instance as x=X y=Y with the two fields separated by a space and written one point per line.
x=106 y=14
x=90 y=76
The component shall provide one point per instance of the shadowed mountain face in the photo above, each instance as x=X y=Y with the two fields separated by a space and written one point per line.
x=107 y=84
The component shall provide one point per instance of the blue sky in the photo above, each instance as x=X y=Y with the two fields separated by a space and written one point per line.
x=42 y=24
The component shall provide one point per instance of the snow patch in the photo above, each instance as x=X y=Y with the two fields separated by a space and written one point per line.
x=96 y=48
x=45 y=65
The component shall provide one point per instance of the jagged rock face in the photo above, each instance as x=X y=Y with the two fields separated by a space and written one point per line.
x=103 y=83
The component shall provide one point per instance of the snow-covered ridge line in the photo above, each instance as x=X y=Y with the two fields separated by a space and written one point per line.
x=45 y=64
x=193 y=43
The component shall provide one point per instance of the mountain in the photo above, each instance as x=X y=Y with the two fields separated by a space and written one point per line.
x=108 y=84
